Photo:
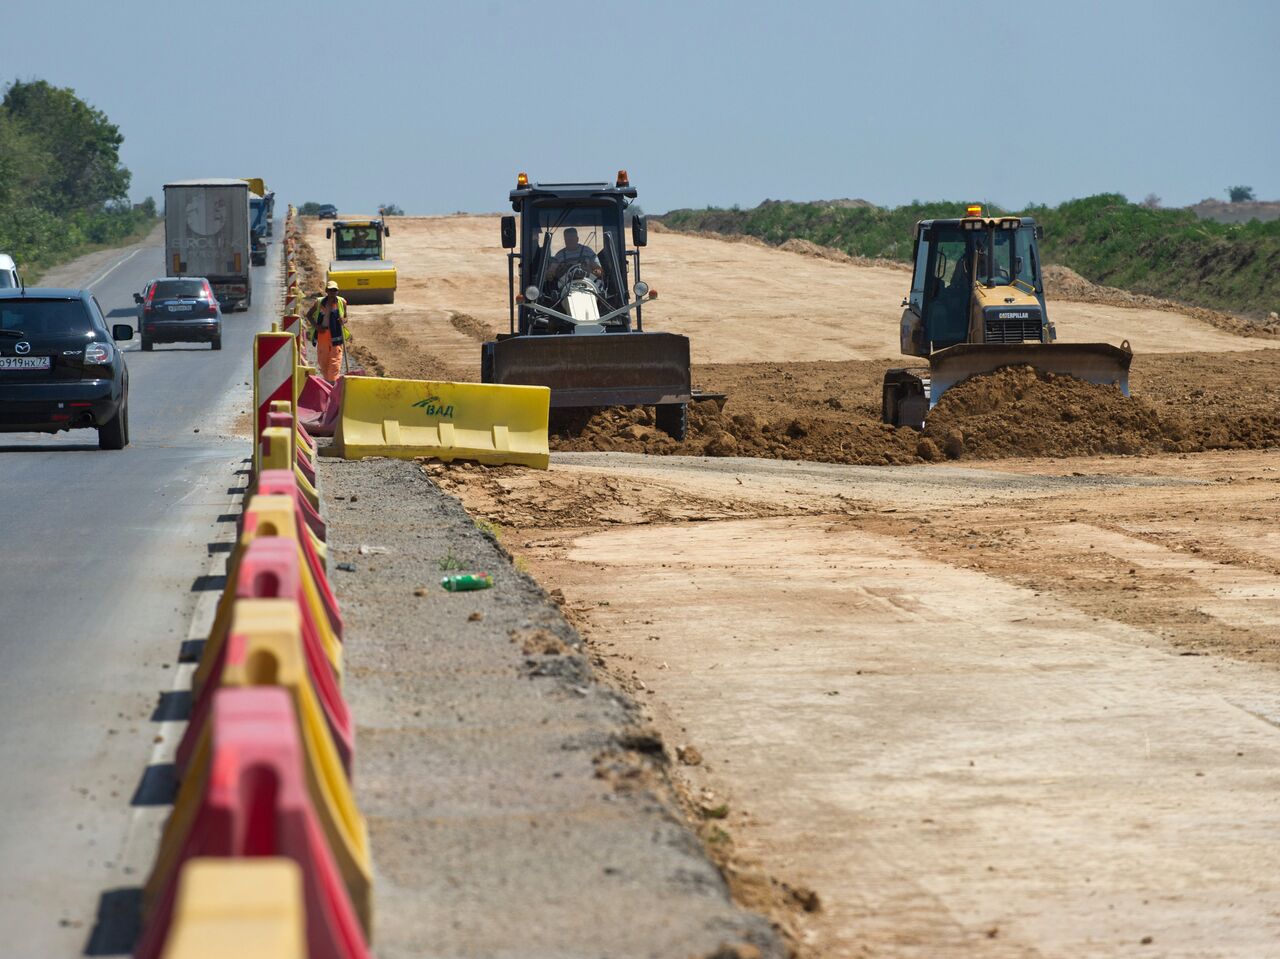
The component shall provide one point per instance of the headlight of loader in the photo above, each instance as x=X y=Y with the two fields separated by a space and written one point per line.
x=642 y=290
x=531 y=294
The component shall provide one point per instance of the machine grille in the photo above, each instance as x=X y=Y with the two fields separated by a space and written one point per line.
x=1012 y=326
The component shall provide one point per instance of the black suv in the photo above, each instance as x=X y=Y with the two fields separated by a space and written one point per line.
x=59 y=369
x=327 y=212
x=179 y=310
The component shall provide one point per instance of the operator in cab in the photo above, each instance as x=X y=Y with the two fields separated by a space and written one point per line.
x=573 y=254
x=327 y=324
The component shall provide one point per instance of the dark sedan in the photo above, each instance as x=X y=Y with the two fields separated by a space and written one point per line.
x=179 y=310
x=59 y=366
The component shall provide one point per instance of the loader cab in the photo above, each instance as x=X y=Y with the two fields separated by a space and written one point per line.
x=548 y=216
x=357 y=239
x=975 y=279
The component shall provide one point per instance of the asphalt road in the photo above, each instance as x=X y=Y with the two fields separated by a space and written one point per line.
x=105 y=557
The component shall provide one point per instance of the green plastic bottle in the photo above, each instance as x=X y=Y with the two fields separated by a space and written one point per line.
x=464 y=581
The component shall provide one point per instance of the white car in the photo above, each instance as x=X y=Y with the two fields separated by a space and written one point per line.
x=8 y=273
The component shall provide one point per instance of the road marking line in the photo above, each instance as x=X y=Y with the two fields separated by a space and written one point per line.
x=112 y=269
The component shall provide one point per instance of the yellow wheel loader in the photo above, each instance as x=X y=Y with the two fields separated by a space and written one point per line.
x=359 y=265
x=976 y=305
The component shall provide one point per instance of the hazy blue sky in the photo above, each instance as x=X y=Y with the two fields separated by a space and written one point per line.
x=436 y=106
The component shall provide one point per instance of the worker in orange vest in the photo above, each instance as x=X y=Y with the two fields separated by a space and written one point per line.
x=328 y=326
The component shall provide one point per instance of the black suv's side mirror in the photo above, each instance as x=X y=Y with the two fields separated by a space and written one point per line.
x=639 y=230
x=508 y=233
x=137 y=297
x=122 y=331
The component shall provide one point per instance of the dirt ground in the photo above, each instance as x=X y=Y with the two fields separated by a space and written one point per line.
x=976 y=712
x=989 y=706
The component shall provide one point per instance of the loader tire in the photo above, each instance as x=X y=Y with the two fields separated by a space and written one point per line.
x=672 y=419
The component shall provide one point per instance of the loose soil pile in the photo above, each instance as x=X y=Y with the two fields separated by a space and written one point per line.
x=826 y=412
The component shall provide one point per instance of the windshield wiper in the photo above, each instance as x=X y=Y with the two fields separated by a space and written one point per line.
x=14 y=333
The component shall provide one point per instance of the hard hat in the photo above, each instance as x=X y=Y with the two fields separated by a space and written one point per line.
x=331 y=285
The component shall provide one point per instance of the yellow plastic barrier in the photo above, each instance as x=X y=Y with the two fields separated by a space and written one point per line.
x=273 y=516
x=276 y=453
x=274 y=657
x=279 y=406
x=470 y=421
x=246 y=908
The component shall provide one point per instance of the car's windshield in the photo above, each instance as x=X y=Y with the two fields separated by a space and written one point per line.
x=358 y=243
x=36 y=317
x=168 y=289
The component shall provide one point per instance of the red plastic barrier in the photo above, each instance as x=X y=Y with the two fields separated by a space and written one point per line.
x=269 y=570
x=318 y=574
x=283 y=483
x=314 y=399
x=254 y=802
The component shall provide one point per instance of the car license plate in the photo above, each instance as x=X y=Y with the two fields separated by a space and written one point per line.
x=180 y=308
x=24 y=363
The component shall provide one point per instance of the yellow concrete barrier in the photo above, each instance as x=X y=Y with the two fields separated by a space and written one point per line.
x=246 y=908
x=470 y=421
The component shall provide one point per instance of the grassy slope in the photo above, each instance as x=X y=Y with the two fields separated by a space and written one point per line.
x=1167 y=253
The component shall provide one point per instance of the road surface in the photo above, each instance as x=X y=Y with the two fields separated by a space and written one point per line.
x=106 y=555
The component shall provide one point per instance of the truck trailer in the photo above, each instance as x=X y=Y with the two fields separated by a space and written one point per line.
x=206 y=233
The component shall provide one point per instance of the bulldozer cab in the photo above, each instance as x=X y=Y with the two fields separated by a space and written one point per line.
x=358 y=239
x=571 y=230
x=967 y=273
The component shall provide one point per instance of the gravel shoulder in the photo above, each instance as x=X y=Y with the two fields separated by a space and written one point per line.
x=517 y=806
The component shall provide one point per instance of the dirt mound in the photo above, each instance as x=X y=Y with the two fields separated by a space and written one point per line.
x=468 y=325
x=717 y=432
x=1021 y=411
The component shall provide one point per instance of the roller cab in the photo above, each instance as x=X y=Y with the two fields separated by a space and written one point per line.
x=359 y=265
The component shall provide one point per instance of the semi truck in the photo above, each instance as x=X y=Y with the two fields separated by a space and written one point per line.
x=206 y=233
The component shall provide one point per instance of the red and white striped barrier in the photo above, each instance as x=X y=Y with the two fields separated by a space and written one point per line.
x=274 y=358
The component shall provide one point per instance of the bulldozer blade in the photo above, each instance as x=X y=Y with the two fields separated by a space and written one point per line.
x=605 y=369
x=1099 y=363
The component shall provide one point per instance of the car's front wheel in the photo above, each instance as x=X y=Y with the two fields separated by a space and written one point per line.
x=114 y=433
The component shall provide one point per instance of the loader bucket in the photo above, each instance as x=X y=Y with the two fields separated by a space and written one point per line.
x=606 y=369
x=448 y=421
x=1092 y=362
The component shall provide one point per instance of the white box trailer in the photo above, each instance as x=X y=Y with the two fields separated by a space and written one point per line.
x=206 y=233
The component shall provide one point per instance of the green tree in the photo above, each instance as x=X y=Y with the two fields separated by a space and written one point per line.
x=82 y=146
x=390 y=209
x=1240 y=194
x=310 y=208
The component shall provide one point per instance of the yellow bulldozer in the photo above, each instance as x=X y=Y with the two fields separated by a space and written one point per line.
x=977 y=304
x=359 y=265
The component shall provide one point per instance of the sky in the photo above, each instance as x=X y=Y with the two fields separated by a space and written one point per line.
x=435 y=106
